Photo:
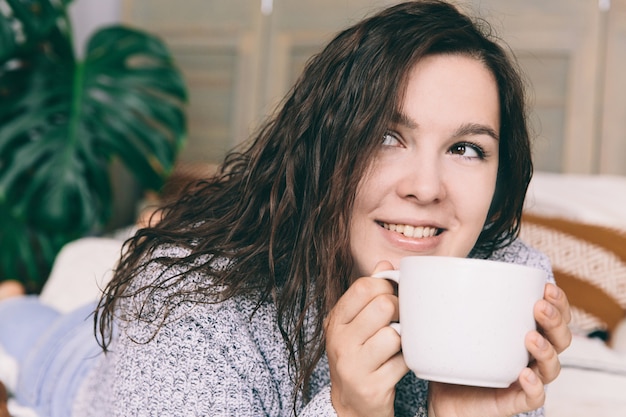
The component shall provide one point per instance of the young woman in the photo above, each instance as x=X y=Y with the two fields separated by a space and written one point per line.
x=253 y=295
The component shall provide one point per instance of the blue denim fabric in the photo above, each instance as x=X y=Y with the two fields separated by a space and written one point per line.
x=54 y=352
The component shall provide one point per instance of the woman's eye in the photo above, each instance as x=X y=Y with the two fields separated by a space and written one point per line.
x=390 y=139
x=467 y=150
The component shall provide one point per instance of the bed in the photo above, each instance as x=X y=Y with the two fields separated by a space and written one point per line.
x=578 y=220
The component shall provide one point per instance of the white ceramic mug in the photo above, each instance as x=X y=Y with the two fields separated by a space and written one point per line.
x=464 y=321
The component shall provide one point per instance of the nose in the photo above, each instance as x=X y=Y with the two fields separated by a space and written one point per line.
x=423 y=181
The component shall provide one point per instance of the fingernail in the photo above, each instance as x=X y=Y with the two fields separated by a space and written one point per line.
x=541 y=343
x=531 y=377
x=550 y=311
x=554 y=292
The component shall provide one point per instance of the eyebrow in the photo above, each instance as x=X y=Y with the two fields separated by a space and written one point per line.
x=469 y=129
x=466 y=129
x=404 y=120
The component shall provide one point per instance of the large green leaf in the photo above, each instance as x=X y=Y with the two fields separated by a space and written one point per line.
x=133 y=96
x=61 y=124
x=26 y=22
x=25 y=253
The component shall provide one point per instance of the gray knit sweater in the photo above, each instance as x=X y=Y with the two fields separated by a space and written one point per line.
x=215 y=360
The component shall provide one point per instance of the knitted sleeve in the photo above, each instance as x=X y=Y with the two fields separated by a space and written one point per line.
x=519 y=252
x=205 y=359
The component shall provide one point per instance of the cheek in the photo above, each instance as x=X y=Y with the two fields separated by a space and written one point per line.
x=477 y=196
x=483 y=204
x=368 y=196
x=358 y=220
x=360 y=226
x=473 y=215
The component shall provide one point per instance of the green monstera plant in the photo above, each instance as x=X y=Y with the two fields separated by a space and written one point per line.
x=64 y=120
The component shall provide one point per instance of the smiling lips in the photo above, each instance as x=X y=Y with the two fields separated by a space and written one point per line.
x=412 y=231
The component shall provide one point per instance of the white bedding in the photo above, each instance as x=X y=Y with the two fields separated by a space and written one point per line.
x=592 y=382
x=598 y=199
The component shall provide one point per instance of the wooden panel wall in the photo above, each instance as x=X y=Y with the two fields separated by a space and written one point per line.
x=239 y=63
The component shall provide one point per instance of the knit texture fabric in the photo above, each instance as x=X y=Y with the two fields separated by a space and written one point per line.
x=221 y=359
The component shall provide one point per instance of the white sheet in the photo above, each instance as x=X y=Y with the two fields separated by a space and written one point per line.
x=592 y=382
x=586 y=393
x=598 y=199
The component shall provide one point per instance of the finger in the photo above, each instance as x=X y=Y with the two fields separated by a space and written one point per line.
x=546 y=361
x=534 y=394
x=377 y=314
x=553 y=325
x=382 y=266
x=558 y=298
x=385 y=266
x=359 y=294
x=381 y=358
x=392 y=370
x=381 y=346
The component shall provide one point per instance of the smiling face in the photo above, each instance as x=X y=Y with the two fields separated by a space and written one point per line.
x=429 y=188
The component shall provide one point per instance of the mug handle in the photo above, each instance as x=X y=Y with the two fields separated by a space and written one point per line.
x=394 y=275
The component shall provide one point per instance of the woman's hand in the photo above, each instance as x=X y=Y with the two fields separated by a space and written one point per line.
x=527 y=393
x=363 y=351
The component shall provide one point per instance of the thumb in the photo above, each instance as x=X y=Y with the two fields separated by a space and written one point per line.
x=382 y=266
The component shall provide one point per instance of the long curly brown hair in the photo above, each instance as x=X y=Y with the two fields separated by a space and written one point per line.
x=280 y=209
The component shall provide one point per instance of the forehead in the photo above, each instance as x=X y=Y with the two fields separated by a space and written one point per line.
x=452 y=87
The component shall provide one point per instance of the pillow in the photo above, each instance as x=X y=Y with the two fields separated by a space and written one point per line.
x=80 y=272
x=589 y=263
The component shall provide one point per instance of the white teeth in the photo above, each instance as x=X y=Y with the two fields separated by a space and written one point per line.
x=411 y=231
